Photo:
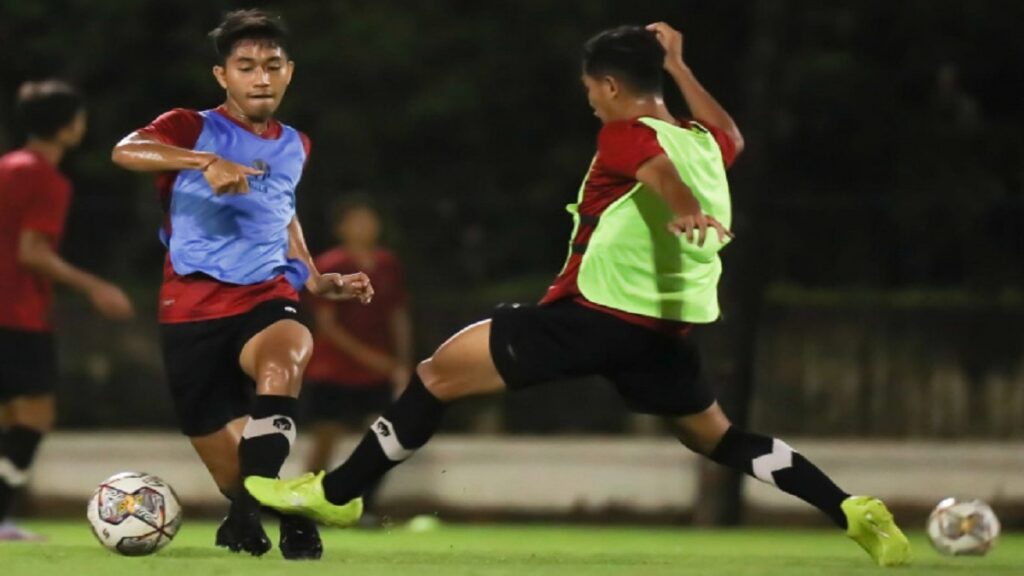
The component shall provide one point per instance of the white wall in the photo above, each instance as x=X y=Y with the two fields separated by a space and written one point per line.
x=556 y=474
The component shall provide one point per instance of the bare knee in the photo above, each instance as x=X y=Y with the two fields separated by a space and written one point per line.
x=280 y=373
x=444 y=379
x=277 y=357
x=278 y=377
x=703 y=431
x=436 y=380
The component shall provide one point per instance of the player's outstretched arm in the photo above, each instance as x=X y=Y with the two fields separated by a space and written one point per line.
x=702 y=105
x=331 y=286
x=143 y=153
x=661 y=175
x=35 y=252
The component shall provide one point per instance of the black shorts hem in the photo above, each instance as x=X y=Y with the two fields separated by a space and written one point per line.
x=201 y=360
x=654 y=372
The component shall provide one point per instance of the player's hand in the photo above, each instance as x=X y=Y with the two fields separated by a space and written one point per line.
x=671 y=40
x=227 y=177
x=337 y=287
x=111 y=301
x=697 y=224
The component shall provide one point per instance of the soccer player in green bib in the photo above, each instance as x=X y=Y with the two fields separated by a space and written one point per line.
x=643 y=269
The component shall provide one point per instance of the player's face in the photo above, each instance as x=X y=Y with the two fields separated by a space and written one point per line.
x=601 y=93
x=255 y=76
x=359 y=227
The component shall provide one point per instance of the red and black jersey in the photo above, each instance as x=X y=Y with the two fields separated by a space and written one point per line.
x=34 y=195
x=199 y=297
x=622 y=147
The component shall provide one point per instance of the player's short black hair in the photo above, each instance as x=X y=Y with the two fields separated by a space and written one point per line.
x=250 y=24
x=631 y=54
x=351 y=201
x=44 y=107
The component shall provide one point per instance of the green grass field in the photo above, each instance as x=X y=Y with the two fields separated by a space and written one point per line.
x=458 y=550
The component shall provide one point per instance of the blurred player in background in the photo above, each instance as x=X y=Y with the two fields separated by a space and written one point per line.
x=362 y=355
x=643 y=269
x=34 y=200
x=236 y=261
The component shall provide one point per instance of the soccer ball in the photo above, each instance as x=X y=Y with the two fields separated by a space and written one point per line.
x=134 y=514
x=961 y=527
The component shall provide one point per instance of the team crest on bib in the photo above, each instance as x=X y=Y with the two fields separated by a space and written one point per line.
x=262 y=166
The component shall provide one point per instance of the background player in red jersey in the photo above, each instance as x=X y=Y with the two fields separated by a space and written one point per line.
x=362 y=355
x=236 y=257
x=34 y=200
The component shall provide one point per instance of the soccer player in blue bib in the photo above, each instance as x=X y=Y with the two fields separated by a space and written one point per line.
x=236 y=259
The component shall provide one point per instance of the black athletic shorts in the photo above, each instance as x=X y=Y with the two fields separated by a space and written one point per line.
x=654 y=372
x=28 y=363
x=207 y=383
x=349 y=405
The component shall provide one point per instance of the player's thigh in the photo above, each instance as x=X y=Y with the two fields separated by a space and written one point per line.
x=207 y=387
x=534 y=345
x=462 y=366
x=664 y=377
x=275 y=348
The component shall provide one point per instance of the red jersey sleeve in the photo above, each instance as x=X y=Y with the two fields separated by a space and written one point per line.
x=179 y=127
x=47 y=205
x=307 y=144
x=625 y=145
x=725 y=144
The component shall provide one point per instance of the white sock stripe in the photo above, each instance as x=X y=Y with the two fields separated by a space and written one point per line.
x=780 y=458
x=276 y=424
x=11 y=474
x=388 y=439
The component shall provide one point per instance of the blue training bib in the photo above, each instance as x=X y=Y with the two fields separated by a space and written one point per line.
x=238 y=238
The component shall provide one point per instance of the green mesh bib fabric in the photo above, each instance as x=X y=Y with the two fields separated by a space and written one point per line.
x=634 y=264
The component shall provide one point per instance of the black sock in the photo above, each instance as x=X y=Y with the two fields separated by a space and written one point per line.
x=266 y=441
x=773 y=461
x=19 y=450
x=405 y=426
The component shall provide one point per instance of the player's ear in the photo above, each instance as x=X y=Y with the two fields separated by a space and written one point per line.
x=218 y=73
x=611 y=86
x=291 y=70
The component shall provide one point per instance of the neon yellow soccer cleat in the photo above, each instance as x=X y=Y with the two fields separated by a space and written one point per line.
x=304 y=496
x=870 y=524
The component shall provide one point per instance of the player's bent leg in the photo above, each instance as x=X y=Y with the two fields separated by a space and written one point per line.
x=462 y=366
x=772 y=461
x=275 y=358
x=28 y=419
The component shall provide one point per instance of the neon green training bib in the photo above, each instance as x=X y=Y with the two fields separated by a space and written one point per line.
x=634 y=264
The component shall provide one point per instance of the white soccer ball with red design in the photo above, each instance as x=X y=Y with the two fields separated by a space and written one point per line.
x=134 y=514
x=963 y=527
